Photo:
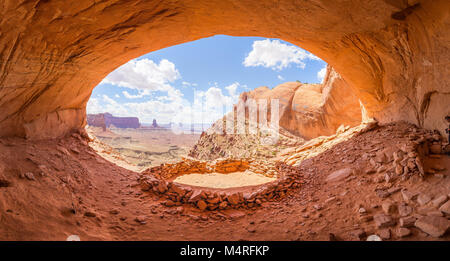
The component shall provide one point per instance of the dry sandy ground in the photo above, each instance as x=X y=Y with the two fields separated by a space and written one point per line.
x=75 y=191
x=219 y=180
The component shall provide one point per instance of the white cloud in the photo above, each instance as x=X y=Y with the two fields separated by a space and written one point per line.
x=276 y=55
x=93 y=106
x=144 y=75
x=232 y=88
x=281 y=78
x=188 y=84
x=137 y=96
x=321 y=73
x=209 y=106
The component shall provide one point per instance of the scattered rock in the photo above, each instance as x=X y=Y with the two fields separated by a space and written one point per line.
x=408 y=196
x=403 y=232
x=73 y=238
x=141 y=219
x=201 y=204
x=445 y=208
x=388 y=207
x=385 y=234
x=373 y=238
x=362 y=211
x=423 y=199
x=169 y=203
x=233 y=199
x=366 y=218
x=435 y=213
x=43 y=170
x=382 y=221
x=330 y=199
x=358 y=234
x=393 y=190
x=370 y=171
x=339 y=175
x=90 y=214
x=317 y=207
x=399 y=169
x=223 y=205
x=407 y=221
x=162 y=187
x=433 y=225
x=438 y=201
x=404 y=210
x=382 y=193
x=196 y=195
x=114 y=212
x=29 y=176
x=381 y=157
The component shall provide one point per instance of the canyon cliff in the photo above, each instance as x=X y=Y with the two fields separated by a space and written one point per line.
x=393 y=55
x=310 y=110
x=106 y=120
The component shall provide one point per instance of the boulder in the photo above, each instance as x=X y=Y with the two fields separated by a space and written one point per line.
x=339 y=175
x=233 y=199
x=438 y=201
x=201 y=204
x=423 y=199
x=385 y=233
x=433 y=225
x=445 y=208
x=404 y=210
x=403 y=232
x=408 y=195
x=407 y=221
x=382 y=220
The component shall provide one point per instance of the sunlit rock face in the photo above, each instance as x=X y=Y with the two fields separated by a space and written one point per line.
x=309 y=110
x=394 y=55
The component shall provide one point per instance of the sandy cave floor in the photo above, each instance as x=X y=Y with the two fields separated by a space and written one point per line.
x=218 y=180
x=81 y=193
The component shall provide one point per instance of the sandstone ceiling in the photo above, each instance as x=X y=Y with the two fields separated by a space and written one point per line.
x=393 y=54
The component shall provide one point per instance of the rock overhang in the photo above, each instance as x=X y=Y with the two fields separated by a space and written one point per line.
x=54 y=53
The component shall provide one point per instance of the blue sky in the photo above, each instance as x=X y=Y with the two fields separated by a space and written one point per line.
x=164 y=84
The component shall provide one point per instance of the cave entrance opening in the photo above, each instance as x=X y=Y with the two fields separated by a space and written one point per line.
x=245 y=99
x=158 y=108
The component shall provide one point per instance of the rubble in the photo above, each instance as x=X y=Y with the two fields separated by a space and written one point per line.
x=159 y=180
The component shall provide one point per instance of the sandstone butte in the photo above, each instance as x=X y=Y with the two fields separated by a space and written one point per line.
x=310 y=110
x=393 y=56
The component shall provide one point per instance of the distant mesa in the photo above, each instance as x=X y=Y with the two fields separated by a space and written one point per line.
x=105 y=120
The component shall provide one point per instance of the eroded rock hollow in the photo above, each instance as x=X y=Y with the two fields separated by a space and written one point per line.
x=394 y=55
